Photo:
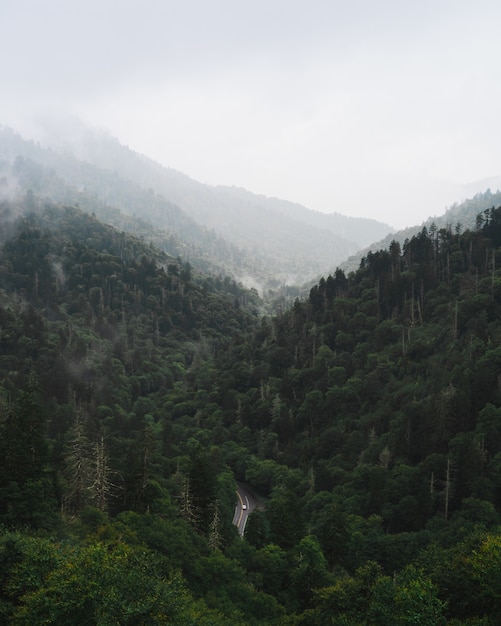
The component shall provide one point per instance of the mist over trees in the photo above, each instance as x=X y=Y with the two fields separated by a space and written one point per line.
x=260 y=241
x=137 y=391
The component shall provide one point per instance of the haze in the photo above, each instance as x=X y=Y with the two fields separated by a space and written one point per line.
x=384 y=110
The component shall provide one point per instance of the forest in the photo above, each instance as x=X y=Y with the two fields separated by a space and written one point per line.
x=222 y=229
x=136 y=392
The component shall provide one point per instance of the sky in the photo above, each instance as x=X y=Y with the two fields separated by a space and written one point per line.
x=381 y=109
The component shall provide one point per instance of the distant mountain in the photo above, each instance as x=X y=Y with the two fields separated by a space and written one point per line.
x=480 y=186
x=209 y=205
x=112 y=199
x=265 y=241
x=361 y=231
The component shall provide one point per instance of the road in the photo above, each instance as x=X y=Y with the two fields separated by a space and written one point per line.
x=246 y=503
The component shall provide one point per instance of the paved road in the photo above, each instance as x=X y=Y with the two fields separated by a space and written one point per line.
x=246 y=503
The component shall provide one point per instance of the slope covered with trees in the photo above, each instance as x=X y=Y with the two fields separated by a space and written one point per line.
x=460 y=216
x=25 y=167
x=136 y=392
x=233 y=231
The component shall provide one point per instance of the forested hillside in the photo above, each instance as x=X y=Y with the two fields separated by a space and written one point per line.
x=460 y=216
x=60 y=178
x=135 y=393
x=260 y=241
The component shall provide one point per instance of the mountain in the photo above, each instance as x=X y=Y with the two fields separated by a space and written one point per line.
x=458 y=217
x=470 y=190
x=135 y=393
x=358 y=230
x=263 y=242
x=210 y=205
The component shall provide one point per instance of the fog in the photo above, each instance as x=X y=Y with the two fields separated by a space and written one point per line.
x=9 y=186
x=385 y=110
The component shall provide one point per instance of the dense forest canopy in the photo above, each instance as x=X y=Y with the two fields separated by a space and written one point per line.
x=136 y=392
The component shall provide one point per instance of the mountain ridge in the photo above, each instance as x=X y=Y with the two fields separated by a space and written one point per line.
x=293 y=247
x=459 y=216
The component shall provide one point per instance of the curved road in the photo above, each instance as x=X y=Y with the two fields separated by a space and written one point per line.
x=246 y=503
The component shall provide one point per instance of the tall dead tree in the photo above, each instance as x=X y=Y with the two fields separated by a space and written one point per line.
x=78 y=467
x=102 y=487
x=215 y=537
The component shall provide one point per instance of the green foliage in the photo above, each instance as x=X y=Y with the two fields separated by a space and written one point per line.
x=309 y=570
x=377 y=600
x=467 y=575
x=366 y=417
x=410 y=598
x=26 y=493
x=102 y=584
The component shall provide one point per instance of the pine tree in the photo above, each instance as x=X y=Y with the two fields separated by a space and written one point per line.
x=26 y=493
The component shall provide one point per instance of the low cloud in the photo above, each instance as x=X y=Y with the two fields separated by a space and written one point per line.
x=10 y=190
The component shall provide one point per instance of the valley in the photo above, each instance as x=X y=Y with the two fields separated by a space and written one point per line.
x=148 y=393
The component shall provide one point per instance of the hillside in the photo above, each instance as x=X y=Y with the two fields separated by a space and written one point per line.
x=209 y=205
x=27 y=168
x=260 y=241
x=459 y=216
x=135 y=392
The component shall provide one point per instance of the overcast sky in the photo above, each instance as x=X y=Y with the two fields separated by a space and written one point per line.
x=371 y=108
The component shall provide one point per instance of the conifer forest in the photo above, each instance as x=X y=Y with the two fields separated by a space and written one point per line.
x=139 y=392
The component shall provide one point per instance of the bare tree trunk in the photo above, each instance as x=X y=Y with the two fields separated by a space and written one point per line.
x=78 y=463
x=447 y=488
x=187 y=508
x=215 y=538
x=102 y=487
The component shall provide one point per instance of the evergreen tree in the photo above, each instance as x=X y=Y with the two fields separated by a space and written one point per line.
x=26 y=492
